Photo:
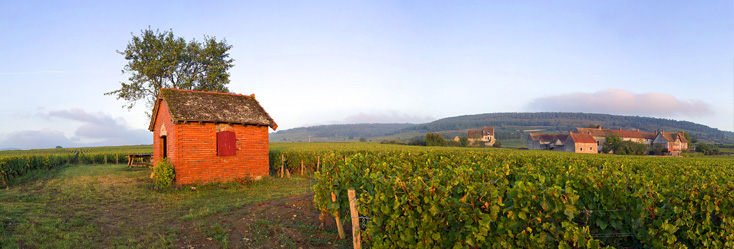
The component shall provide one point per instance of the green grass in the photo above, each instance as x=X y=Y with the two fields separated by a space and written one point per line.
x=97 y=206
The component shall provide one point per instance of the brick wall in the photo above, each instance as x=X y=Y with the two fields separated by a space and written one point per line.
x=196 y=153
x=163 y=119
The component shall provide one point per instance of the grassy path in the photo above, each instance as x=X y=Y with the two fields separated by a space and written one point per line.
x=103 y=206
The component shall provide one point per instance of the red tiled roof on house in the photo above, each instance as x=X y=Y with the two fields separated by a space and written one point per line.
x=582 y=138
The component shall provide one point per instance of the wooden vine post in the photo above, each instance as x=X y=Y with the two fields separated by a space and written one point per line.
x=117 y=159
x=318 y=163
x=301 y=167
x=105 y=159
x=338 y=221
x=282 y=165
x=356 y=231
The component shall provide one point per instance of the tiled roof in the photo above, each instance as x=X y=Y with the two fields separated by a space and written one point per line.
x=488 y=130
x=582 y=138
x=672 y=136
x=197 y=106
x=474 y=134
x=547 y=137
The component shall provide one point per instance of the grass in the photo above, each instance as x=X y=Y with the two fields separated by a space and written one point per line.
x=100 y=206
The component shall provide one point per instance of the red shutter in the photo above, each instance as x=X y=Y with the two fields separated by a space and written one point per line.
x=226 y=143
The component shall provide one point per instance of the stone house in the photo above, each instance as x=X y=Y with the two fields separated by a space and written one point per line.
x=546 y=141
x=211 y=137
x=580 y=143
x=673 y=142
x=485 y=134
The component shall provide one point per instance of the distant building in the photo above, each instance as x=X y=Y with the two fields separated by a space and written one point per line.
x=546 y=141
x=673 y=142
x=580 y=143
x=599 y=134
x=588 y=139
x=485 y=134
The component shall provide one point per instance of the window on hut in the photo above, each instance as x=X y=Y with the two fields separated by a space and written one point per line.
x=226 y=143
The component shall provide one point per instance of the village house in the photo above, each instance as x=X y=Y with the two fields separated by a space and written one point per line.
x=211 y=137
x=485 y=134
x=546 y=141
x=580 y=143
x=673 y=142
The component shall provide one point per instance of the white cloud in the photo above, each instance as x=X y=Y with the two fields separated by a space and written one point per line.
x=616 y=101
x=100 y=128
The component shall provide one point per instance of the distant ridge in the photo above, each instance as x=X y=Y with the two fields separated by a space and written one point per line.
x=509 y=125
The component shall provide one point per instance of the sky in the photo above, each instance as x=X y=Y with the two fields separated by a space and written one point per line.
x=333 y=62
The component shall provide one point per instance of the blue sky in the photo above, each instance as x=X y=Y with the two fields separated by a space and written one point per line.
x=327 y=62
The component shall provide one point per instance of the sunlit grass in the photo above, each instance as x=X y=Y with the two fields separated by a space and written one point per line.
x=96 y=206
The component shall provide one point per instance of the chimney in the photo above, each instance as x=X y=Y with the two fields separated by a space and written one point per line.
x=569 y=133
x=599 y=127
x=638 y=130
x=620 y=128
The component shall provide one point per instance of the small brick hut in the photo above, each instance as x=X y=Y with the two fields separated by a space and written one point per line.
x=210 y=137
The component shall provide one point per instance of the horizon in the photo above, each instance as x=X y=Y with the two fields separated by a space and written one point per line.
x=373 y=62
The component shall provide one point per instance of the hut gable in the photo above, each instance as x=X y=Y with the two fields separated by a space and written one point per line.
x=196 y=106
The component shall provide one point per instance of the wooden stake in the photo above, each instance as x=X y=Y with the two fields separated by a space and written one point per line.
x=287 y=171
x=318 y=163
x=117 y=159
x=105 y=159
x=282 y=165
x=356 y=236
x=338 y=221
x=301 y=167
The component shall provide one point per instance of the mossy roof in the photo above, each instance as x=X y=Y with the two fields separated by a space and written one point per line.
x=198 y=106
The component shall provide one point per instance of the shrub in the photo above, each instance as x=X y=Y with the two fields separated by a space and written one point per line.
x=164 y=174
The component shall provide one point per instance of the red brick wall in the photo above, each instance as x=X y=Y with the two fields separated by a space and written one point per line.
x=163 y=119
x=196 y=158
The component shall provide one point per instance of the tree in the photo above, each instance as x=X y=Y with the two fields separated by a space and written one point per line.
x=464 y=141
x=611 y=143
x=361 y=139
x=435 y=139
x=497 y=144
x=158 y=60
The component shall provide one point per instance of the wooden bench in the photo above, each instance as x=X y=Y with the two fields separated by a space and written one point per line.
x=131 y=160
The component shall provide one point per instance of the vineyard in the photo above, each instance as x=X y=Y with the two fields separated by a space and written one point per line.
x=14 y=164
x=457 y=198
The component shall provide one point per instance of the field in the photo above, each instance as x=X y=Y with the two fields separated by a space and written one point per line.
x=415 y=196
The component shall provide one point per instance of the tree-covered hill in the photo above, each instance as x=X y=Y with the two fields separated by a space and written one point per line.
x=507 y=126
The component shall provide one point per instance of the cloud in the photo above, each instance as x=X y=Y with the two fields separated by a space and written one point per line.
x=616 y=101
x=389 y=117
x=101 y=128
x=36 y=139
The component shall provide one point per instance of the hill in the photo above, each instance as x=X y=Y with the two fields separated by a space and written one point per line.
x=507 y=126
x=339 y=132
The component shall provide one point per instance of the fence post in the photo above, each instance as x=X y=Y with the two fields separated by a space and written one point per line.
x=318 y=163
x=356 y=231
x=301 y=167
x=339 y=226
